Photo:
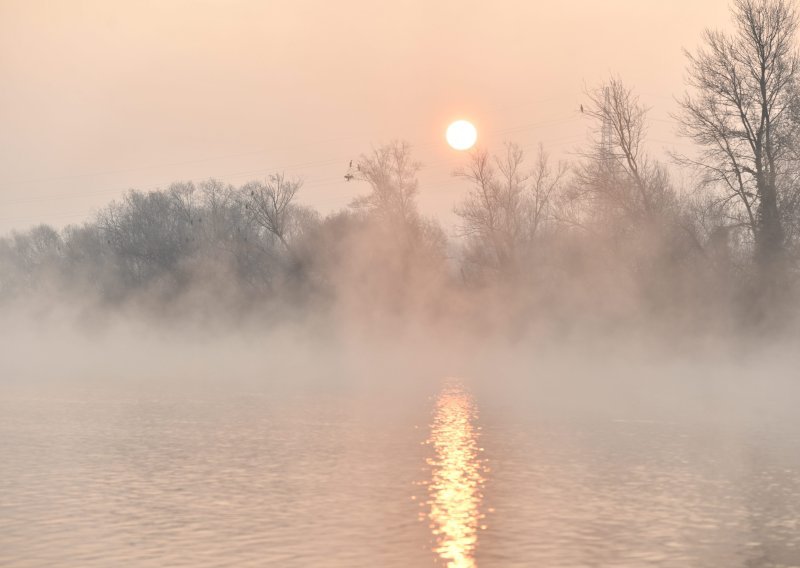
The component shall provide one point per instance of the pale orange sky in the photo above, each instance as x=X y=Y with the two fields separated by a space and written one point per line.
x=100 y=96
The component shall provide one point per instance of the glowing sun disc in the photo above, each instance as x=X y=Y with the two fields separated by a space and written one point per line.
x=461 y=135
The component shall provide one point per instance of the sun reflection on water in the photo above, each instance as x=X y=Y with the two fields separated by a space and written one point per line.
x=455 y=487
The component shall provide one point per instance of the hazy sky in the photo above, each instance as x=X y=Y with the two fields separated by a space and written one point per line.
x=100 y=96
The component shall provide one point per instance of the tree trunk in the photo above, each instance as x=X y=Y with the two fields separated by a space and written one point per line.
x=769 y=234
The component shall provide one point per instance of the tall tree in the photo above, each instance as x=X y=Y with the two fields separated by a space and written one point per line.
x=741 y=111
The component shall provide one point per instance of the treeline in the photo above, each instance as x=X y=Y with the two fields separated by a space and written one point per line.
x=608 y=238
x=218 y=248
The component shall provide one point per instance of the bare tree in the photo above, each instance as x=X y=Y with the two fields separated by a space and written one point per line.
x=271 y=206
x=149 y=233
x=26 y=258
x=543 y=191
x=618 y=175
x=392 y=175
x=740 y=112
x=507 y=206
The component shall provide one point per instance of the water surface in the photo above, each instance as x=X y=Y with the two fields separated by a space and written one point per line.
x=443 y=475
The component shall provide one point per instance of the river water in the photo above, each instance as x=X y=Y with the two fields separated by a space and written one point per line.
x=444 y=475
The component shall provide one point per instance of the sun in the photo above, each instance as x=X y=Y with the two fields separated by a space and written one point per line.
x=461 y=135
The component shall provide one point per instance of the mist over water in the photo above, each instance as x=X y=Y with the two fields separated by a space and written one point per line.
x=285 y=450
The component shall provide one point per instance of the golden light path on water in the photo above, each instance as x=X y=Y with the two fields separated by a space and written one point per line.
x=455 y=488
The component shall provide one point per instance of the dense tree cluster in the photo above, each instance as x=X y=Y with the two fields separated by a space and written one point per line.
x=608 y=237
